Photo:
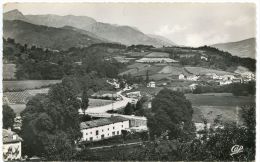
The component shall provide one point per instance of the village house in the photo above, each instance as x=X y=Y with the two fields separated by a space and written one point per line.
x=100 y=129
x=213 y=76
x=151 y=84
x=12 y=148
x=193 y=86
x=204 y=57
x=190 y=77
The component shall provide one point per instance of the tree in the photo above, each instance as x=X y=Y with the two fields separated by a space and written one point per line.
x=8 y=117
x=84 y=101
x=129 y=109
x=219 y=141
x=147 y=77
x=173 y=112
x=50 y=123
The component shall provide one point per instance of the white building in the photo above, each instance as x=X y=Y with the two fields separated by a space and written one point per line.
x=135 y=94
x=193 y=86
x=213 y=76
x=151 y=84
x=12 y=149
x=227 y=77
x=188 y=77
x=204 y=58
x=96 y=130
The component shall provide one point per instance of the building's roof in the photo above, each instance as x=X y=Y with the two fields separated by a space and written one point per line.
x=10 y=137
x=102 y=122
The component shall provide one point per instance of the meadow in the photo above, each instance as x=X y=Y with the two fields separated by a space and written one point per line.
x=213 y=105
x=27 y=84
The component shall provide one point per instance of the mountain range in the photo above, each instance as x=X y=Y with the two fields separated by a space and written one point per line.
x=243 y=48
x=78 y=24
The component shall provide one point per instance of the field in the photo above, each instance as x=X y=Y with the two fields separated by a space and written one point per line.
x=98 y=102
x=157 y=55
x=211 y=105
x=203 y=71
x=27 y=84
x=136 y=54
x=219 y=99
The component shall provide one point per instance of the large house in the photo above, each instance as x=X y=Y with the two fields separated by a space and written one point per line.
x=96 y=130
x=12 y=149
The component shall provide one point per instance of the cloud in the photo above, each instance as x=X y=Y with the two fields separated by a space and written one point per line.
x=166 y=30
x=205 y=38
x=240 y=21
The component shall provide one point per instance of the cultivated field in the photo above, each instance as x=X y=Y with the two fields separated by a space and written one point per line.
x=219 y=99
x=212 y=105
x=157 y=55
x=27 y=84
x=203 y=71
x=98 y=102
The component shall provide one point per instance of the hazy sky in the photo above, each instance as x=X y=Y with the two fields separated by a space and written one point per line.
x=191 y=24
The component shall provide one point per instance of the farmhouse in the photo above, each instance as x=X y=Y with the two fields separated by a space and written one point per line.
x=213 y=76
x=12 y=149
x=193 y=86
x=151 y=84
x=136 y=94
x=96 y=130
x=178 y=73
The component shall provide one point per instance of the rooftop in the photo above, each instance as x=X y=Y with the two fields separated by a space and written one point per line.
x=10 y=137
x=102 y=122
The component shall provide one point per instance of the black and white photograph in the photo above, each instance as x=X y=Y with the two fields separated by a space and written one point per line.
x=129 y=81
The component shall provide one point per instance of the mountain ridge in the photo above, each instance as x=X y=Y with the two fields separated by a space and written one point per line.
x=46 y=37
x=115 y=33
x=242 y=48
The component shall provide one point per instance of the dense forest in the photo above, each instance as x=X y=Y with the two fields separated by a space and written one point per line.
x=38 y=63
x=216 y=59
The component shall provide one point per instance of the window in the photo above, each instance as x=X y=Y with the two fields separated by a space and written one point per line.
x=122 y=126
x=113 y=127
x=107 y=128
x=102 y=136
x=102 y=130
x=97 y=132
x=113 y=133
x=117 y=132
x=90 y=132
x=91 y=138
x=86 y=134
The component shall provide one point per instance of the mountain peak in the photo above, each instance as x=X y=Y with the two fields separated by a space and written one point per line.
x=14 y=15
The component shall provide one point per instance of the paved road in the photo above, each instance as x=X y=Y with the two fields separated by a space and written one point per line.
x=114 y=106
